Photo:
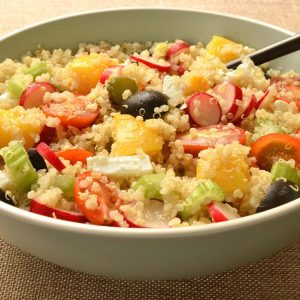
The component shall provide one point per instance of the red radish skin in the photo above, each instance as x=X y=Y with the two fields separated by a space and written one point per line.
x=152 y=218
x=230 y=93
x=203 y=109
x=34 y=94
x=152 y=63
x=221 y=212
x=261 y=102
x=245 y=109
x=177 y=48
x=47 y=135
x=42 y=209
x=45 y=151
x=107 y=72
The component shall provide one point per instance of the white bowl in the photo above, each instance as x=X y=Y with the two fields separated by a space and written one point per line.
x=149 y=253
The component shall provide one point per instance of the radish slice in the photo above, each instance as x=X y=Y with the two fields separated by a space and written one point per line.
x=107 y=72
x=151 y=215
x=44 y=150
x=245 y=109
x=47 y=134
x=230 y=93
x=118 y=219
x=42 y=209
x=221 y=212
x=262 y=99
x=161 y=66
x=203 y=109
x=177 y=48
x=34 y=94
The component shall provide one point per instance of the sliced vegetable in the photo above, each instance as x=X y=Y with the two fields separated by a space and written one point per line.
x=41 y=209
x=151 y=185
x=109 y=71
x=66 y=184
x=4 y=197
x=75 y=155
x=17 y=84
x=245 y=109
x=120 y=166
x=221 y=212
x=45 y=151
x=117 y=85
x=208 y=137
x=265 y=127
x=152 y=215
x=205 y=192
x=131 y=134
x=34 y=93
x=280 y=192
x=160 y=65
x=20 y=170
x=144 y=104
x=95 y=197
x=37 y=69
x=36 y=160
x=72 y=112
x=281 y=169
x=230 y=94
x=274 y=146
x=203 y=109
x=177 y=48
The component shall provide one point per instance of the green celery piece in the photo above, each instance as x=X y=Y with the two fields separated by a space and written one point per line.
x=66 y=184
x=151 y=184
x=205 y=192
x=17 y=84
x=265 y=127
x=281 y=169
x=20 y=170
x=37 y=69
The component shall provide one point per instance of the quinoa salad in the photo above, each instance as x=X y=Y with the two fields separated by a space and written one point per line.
x=159 y=134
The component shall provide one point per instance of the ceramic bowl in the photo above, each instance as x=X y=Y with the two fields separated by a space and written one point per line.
x=149 y=253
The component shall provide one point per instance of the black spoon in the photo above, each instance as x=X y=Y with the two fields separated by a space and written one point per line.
x=271 y=52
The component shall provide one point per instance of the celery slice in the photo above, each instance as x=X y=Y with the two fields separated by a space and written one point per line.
x=17 y=84
x=37 y=69
x=265 y=127
x=205 y=192
x=66 y=184
x=151 y=184
x=281 y=169
x=20 y=170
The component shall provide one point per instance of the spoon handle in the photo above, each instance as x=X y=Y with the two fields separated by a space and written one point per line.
x=271 y=52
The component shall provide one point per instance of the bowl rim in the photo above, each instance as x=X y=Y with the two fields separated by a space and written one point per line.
x=146 y=233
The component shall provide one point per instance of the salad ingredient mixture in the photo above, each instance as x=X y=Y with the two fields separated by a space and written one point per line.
x=149 y=135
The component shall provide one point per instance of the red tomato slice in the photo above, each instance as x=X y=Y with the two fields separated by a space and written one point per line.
x=271 y=147
x=71 y=112
x=91 y=184
x=208 y=137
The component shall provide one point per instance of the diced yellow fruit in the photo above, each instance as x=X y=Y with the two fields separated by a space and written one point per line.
x=226 y=165
x=195 y=83
x=86 y=70
x=131 y=134
x=224 y=49
x=21 y=125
